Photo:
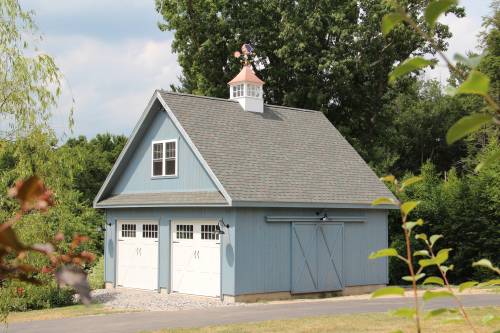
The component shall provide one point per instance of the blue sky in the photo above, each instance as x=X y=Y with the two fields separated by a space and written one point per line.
x=113 y=56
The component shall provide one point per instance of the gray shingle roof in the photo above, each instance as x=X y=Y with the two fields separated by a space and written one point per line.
x=163 y=199
x=283 y=155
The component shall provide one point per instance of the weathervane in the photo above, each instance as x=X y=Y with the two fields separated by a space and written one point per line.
x=247 y=51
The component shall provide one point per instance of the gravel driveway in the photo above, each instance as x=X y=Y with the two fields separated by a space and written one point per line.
x=153 y=301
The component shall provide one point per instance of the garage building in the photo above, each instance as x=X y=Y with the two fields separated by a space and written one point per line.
x=237 y=199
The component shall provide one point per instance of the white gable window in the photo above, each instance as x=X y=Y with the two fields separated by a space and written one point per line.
x=164 y=158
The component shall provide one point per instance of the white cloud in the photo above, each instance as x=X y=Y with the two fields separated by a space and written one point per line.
x=465 y=35
x=111 y=82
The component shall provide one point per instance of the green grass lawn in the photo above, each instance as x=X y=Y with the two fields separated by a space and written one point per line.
x=373 y=322
x=63 y=312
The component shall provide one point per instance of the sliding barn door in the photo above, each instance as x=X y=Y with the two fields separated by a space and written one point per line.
x=317 y=257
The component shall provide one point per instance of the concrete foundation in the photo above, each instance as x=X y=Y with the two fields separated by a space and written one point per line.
x=109 y=285
x=285 y=295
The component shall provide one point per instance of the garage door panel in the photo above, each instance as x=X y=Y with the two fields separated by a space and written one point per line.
x=137 y=254
x=196 y=258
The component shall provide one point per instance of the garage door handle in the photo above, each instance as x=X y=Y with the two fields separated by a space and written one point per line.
x=175 y=242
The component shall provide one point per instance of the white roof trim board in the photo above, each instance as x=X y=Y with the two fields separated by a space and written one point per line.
x=284 y=157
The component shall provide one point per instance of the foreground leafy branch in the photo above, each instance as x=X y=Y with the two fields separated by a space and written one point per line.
x=474 y=82
x=65 y=266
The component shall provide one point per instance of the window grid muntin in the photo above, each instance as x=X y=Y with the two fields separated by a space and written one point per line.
x=210 y=232
x=150 y=231
x=170 y=156
x=128 y=230
x=238 y=90
x=184 y=231
x=253 y=90
x=166 y=160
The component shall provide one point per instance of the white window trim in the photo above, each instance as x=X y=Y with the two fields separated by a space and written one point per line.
x=164 y=145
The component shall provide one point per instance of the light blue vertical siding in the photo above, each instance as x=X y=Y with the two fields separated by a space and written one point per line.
x=263 y=249
x=256 y=255
x=360 y=240
x=136 y=177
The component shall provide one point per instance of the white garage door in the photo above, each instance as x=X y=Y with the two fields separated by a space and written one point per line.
x=137 y=254
x=196 y=258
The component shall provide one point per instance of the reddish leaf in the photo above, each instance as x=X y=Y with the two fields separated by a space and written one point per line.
x=32 y=194
x=26 y=268
x=46 y=248
x=8 y=238
x=88 y=256
x=59 y=237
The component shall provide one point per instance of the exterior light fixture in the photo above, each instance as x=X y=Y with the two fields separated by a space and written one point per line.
x=324 y=218
x=221 y=225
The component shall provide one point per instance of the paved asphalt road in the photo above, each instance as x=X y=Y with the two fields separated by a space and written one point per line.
x=144 y=321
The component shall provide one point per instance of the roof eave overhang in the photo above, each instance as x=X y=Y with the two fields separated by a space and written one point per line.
x=105 y=206
x=319 y=205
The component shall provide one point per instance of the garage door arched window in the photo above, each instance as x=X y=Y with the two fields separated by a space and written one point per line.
x=164 y=158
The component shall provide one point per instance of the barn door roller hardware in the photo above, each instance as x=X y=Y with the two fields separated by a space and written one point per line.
x=221 y=226
x=323 y=218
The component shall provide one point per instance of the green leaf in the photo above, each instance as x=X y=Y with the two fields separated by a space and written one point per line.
x=466 y=285
x=434 y=280
x=389 y=179
x=454 y=320
x=435 y=9
x=383 y=201
x=434 y=238
x=490 y=160
x=476 y=83
x=427 y=262
x=490 y=283
x=388 y=291
x=383 y=253
x=389 y=21
x=467 y=125
x=422 y=237
x=442 y=256
x=423 y=253
x=409 y=65
x=472 y=62
x=408 y=206
x=411 y=181
x=489 y=318
x=445 y=269
x=410 y=278
x=404 y=312
x=484 y=263
x=437 y=312
x=428 y=295
x=410 y=225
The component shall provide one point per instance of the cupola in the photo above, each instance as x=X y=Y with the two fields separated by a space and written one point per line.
x=246 y=87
